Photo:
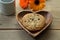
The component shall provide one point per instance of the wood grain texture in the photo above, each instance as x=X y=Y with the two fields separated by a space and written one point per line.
x=8 y=22
x=9 y=25
x=49 y=35
x=55 y=24
x=53 y=6
x=14 y=35
x=22 y=35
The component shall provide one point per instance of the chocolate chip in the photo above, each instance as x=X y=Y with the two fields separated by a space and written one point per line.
x=25 y=21
x=32 y=19
x=38 y=19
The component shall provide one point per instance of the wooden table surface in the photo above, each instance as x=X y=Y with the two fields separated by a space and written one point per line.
x=10 y=30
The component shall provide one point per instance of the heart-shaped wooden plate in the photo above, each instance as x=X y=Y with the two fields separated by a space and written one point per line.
x=46 y=14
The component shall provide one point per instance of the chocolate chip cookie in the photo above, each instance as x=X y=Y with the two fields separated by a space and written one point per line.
x=33 y=21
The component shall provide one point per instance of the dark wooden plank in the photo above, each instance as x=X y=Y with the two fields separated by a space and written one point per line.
x=49 y=35
x=8 y=22
x=14 y=35
x=55 y=24
x=22 y=35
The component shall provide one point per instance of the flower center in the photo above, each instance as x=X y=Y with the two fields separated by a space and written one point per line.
x=37 y=2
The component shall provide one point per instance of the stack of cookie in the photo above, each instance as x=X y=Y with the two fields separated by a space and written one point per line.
x=33 y=21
